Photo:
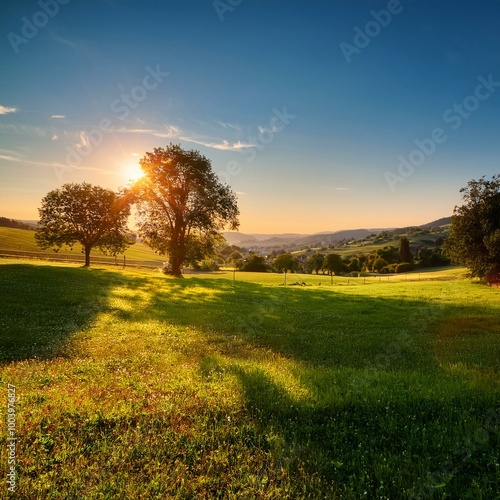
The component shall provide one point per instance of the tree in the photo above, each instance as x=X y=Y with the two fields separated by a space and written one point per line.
x=234 y=257
x=85 y=214
x=355 y=264
x=285 y=262
x=379 y=264
x=255 y=263
x=474 y=239
x=334 y=264
x=389 y=253
x=182 y=204
x=315 y=262
x=405 y=254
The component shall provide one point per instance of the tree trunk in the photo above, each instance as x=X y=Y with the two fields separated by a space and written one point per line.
x=177 y=255
x=176 y=261
x=87 y=255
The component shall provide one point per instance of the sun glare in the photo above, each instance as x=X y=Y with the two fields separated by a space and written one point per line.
x=134 y=172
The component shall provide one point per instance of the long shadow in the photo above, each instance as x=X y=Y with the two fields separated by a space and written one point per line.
x=322 y=328
x=384 y=419
x=365 y=440
x=42 y=307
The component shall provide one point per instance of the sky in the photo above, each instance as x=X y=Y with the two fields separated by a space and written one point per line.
x=320 y=115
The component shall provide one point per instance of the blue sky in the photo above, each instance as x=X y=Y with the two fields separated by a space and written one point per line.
x=310 y=110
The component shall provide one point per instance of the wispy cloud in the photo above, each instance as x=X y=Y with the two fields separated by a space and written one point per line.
x=222 y=146
x=58 y=116
x=169 y=132
x=53 y=164
x=10 y=152
x=173 y=132
x=5 y=110
x=233 y=126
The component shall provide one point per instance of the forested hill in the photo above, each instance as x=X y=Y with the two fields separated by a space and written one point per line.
x=15 y=224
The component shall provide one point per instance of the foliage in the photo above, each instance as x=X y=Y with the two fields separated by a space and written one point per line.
x=255 y=263
x=404 y=267
x=208 y=265
x=183 y=206
x=85 y=214
x=235 y=256
x=431 y=257
x=405 y=254
x=474 y=239
x=284 y=262
x=14 y=224
x=355 y=264
x=389 y=253
x=315 y=263
x=379 y=263
x=334 y=264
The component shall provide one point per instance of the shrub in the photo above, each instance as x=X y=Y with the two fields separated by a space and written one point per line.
x=379 y=264
x=166 y=268
x=255 y=263
x=404 y=267
x=209 y=265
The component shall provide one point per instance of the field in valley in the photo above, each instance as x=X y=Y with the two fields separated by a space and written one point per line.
x=130 y=384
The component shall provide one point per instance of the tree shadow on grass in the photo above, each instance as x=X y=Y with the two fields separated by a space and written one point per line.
x=380 y=413
x=43 y=307
x=321 y=327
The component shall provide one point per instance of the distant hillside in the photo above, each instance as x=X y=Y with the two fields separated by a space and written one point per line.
x=268 y=242
x=444 y=221
x=336 y=237
x=15 y=224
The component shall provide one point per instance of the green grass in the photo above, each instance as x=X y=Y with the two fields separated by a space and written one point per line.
x=135 y=385
x=24 y=241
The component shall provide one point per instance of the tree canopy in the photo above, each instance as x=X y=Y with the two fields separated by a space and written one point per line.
x=474 y=239
x=182 y=205
x=85 y=214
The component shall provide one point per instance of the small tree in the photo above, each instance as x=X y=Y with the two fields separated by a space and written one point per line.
x=379 y=264
x=474 y=239
x=355 y=264
x=234 y=257
x=85 y=214
x=334 y=264
x=255 y=263
x=315 y=262
x=285 y=262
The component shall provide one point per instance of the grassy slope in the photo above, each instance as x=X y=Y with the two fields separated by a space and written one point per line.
x=21 y=240
x=133 y=385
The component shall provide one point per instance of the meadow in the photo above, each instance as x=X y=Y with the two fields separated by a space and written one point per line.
x=131 y=384
x=20 y=240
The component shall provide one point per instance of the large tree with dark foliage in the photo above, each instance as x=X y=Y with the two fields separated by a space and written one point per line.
x=182 y=205
x=474 y=239
x=85 y=214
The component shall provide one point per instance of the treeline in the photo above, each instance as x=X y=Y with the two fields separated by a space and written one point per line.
x=15 y=224
x=389 y=259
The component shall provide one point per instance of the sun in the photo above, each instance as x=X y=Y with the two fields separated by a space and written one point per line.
x=134 y=172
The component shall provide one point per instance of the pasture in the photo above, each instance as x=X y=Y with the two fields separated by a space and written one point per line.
x=130 y=384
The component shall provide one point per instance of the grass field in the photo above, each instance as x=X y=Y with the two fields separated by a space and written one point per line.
x=133 y=385
x=24 y=241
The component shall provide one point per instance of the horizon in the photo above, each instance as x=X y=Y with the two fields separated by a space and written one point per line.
x=346 y=115
x=387 y=228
